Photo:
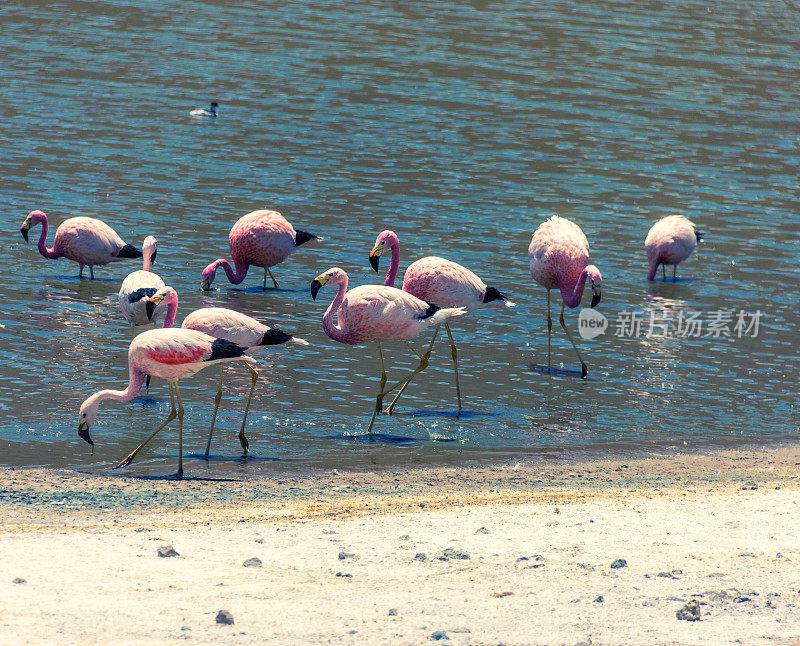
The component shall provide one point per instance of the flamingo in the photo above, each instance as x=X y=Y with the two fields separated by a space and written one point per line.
x=83 y=240
x=262 y=239
x=559 y=255
x=140 y=284
x=170 y=355
x=232 y=326
x=440 y=281
x=374 y=314
x=202 y=113
x=670 y=241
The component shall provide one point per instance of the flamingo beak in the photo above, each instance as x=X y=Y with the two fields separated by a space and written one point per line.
x=205 y=284
x=375 y=256
x=83 y=431
x=24 y=229
x=595 y=295
x=317 y=284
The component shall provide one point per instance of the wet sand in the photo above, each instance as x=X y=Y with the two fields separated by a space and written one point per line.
x=511 y=554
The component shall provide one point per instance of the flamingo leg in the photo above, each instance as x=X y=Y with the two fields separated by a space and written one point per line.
x=664 y=272
x=80 y=273
x=454 y=354
x=179 y=474
x=381 y=393
x=242 y=439
x=584 y=369
x=423 y=359
x=549 y=330
x=274 y=282
x=170 y=417
x=91 y=271
x=674 y=269
x=216 y=408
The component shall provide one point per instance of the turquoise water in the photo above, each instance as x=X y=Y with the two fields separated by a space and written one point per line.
x=461 y=128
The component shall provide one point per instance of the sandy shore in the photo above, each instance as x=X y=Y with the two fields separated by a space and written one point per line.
x=517 y=554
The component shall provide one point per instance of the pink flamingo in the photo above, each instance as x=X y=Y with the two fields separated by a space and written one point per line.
x=262 y=239
x=670 y=241
x=374 y=314
x=83 y=240
x=170 y=355
x=232 y=326
x=436 y=280
x=559 y=255
x=138 y=285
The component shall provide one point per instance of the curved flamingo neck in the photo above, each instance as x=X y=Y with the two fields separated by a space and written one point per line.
x=391 y=275
x=172 y=311
x=51 y=253
x=572 y=298
x=234 y=277
x=334 y=331
x=135 y=382
x=653 y=268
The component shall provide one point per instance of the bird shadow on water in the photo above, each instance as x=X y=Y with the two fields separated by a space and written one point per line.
x=77 y=279
x=451 y=414
x=375 y=437
x=146 y=401
x=229 y=458
x=560 y=372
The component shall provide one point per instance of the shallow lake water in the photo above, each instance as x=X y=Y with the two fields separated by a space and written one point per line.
x=460 y=127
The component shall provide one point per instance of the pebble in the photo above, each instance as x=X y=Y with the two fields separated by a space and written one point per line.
x=618 y=564
x=598 y=599
x=439 y=634
x=19 y=580
x=343 y=556
x=259 y=540
x=421 y=556
x=749 y=486
x=690 y=612
x=453 y=553
x=392 y=612
x=667 y=575
x=344 y=575
x=253 y=562
x=224 y=617
x=167 y=550
x=405 y=537
x=481 y=530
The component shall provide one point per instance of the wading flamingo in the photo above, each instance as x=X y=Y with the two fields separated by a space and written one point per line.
x=262 y=239
x=170 y=355
x=670 y=241
x=232 y=326
x=374 y=314
x=559 y=255
x=83 y=240
x=202 y=113
x=138 y=285
x=440 y=281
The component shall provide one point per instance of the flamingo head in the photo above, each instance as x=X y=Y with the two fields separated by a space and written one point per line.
x=165 y=294
x=149 y=248
x=385 y=239
x=596 y=281
x=334 y=275
x=34 y=217
x=86 y=418
x=208 y=277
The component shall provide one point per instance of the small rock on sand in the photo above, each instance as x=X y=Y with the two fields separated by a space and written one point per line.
x=453 y=553
x=19 y=580
x=439 y=634
x=690 y=612
x=253 y=562
x=343 y=556
x=392 y=612
x=421 y=556
x=618 y=563
x=167 y=550
x=224 y=617
x=750 y=486
x=599 y=599
x=481 y=530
